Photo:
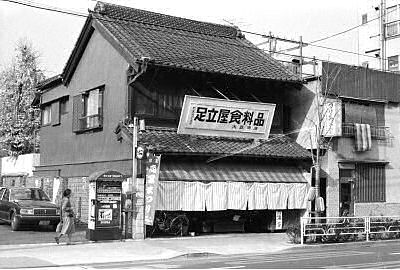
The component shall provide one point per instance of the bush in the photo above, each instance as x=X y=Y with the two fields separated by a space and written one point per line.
x=294 y=233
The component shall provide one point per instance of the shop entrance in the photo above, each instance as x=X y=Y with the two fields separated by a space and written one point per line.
x=346 y=202
x=346 y=205
x=182 y=223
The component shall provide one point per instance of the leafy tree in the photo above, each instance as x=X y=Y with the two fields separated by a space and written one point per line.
x=19 y=122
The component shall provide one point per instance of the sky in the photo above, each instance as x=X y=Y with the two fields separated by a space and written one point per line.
x=54 y=34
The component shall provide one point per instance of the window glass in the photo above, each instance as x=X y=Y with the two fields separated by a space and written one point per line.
x=392 y=29
x=90 y=115
x=64 y=106
x=393 y=63
x=372 y=114
x=29 y=194
x=364 y=19
x=46 y=115
x=391 y=14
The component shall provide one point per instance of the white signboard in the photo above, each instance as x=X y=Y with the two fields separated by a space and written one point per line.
x=229 y=118
x=332 y=118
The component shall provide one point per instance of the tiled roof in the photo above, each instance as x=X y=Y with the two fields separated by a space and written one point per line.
x=187 y=44
x=167 y=141
x=49 y=82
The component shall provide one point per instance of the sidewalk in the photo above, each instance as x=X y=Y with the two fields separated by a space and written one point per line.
x=51 y=254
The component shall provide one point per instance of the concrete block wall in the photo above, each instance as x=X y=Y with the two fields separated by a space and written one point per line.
x=80 y=197
x=377 y=209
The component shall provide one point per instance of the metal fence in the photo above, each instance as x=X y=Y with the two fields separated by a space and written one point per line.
x=379 y=133
x=362 y=227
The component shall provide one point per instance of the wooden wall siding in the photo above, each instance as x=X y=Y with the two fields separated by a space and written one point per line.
x=158 y=94
x=359 y=82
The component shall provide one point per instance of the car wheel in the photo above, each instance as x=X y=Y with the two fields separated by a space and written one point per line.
x=15 y=223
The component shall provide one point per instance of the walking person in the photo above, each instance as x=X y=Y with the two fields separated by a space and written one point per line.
x=68 y=222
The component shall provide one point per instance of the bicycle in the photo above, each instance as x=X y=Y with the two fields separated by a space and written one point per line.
x=170 y=223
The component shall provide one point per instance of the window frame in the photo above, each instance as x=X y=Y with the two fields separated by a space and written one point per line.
x=64 y=105
x=390 y=58
x=392 y=20
x=364 y=18
x=46 y=108
x=377 y=107
x=80 y=111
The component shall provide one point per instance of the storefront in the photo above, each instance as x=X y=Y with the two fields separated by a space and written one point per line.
x=225 y=173
x=228 y=197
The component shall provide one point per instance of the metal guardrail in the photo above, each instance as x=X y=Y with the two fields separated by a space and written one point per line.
x=331 y=226
x=378 y=133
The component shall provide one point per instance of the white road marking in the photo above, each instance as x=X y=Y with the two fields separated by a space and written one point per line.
x=164 y=266
x=367 y=265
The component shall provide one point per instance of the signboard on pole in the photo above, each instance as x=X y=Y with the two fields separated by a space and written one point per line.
x=151 y=188
x=229 y=118
x=278 y=220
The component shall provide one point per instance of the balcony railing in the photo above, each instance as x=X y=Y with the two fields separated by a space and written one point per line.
x=378 y=133
x=90 y=122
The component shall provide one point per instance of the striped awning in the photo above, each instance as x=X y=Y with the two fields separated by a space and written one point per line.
x=188 y=171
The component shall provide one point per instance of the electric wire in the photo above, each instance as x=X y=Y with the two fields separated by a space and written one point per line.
x=115 y=19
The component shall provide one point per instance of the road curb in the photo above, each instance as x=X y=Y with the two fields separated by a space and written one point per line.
x=358 y=243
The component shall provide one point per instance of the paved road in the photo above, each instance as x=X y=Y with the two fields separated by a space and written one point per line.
x=31 y=235
x=356 y=256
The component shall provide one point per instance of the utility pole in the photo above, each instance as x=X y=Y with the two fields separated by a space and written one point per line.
x=270 y=43
x=134 y=127
x=383 y=34
x=301 y=56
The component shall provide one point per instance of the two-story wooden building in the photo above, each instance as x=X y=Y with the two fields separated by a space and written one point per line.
x=134 y=63
x=361 y=168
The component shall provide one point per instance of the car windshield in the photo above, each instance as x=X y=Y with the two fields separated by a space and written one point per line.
x=29 y=194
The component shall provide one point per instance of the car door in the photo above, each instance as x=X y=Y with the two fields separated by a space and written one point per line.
x=2 y=203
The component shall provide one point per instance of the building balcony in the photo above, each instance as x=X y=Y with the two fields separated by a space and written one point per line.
x=377 y=133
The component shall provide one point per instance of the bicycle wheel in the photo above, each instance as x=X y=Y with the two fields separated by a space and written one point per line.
x=179 y=225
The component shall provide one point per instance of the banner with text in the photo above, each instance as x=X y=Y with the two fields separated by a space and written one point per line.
x=230 y=118
x=152 y=174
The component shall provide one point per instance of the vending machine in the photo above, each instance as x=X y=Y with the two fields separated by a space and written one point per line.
x=105 y=191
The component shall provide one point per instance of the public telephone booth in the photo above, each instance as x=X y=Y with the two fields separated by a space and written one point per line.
x=105 y=191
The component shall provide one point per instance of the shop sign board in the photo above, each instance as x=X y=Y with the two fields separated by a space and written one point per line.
x=278 y=220
x=229 y=118
x=151 y=188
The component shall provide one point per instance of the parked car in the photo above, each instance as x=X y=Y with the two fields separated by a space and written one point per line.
x=27 y=205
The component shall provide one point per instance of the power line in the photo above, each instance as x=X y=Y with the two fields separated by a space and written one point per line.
x=115 y=19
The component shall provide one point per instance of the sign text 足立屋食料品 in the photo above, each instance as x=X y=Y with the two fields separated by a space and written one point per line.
x=211 y=116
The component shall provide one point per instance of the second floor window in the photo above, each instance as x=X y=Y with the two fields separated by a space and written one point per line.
x=364 y=19
x=364 y=113
x=46 y=115
x=392 y=21
x=88 y=110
